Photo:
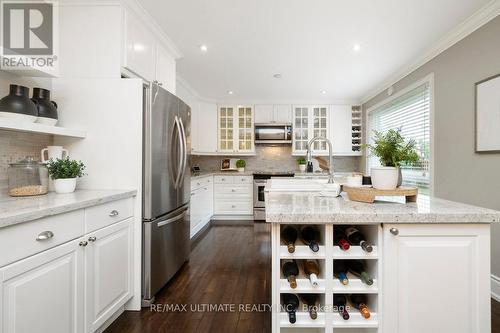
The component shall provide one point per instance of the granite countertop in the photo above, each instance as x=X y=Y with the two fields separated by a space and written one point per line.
x=15 y=210
x=311 y=207
x=221 y=173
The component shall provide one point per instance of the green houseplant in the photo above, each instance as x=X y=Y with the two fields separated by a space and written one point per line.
x=64 y=172
x=241 y=164
x=393 y=150
x=302 y=163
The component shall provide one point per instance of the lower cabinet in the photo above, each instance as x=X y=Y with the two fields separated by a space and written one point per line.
x=233 y=195
x=202 y=203
x=44 y=293
x=436 y=278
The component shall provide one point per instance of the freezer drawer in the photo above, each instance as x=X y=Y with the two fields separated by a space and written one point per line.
x=166 y=248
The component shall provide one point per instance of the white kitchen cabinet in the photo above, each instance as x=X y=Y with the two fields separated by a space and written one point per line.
x=236 y=129
x=270 y=114
x=340 y=125
x=204 y=129
x=233 y=195
x=309 y=122
x=283 y=114
x=45 y=292
x=165 y=69
x=202 y=203
x=108 y=271
x=436 y=278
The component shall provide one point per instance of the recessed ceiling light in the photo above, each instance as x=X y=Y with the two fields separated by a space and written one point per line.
x=277 y=76
x=230 y=92
x=203 y=48
x=323 y=92
x=356 y=47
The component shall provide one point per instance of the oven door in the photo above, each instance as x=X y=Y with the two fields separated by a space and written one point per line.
x=258 y=193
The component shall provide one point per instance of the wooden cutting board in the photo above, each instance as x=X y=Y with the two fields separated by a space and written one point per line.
x=368 y=194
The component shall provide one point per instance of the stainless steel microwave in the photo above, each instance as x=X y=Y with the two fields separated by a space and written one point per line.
x=273 y=133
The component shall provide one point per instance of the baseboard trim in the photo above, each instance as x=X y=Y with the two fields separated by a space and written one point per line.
x=233 y=217
x=111 y=320
x=495 y=287
x=198 y=236
x=232 y=222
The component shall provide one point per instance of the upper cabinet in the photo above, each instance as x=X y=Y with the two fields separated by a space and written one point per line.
x=204 y=129
x=236 y=129
x=165 y=69
x=273 y=114
x=340 y=124
x=310 y=122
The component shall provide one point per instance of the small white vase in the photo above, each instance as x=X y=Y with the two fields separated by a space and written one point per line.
x=302 y=168
x=385 y=178
x=65 y=185
x=241 y=169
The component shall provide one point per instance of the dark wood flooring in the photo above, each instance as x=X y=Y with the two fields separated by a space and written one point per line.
x=229 y=265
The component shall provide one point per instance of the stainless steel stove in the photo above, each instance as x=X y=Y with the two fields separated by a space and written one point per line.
x=259 y=184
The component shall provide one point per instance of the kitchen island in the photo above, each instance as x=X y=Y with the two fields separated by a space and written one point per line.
x=430 y=263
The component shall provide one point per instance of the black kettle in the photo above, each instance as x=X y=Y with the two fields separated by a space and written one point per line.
x=18 y=102
x=47 y=109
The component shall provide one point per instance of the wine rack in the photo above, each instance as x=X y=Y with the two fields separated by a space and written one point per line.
x=357 y=123
x=328 y=320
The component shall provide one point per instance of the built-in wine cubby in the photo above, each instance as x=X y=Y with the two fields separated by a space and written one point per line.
x=363 y=278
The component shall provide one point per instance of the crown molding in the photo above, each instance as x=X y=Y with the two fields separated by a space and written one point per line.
x=471 y=24
x=150 y=22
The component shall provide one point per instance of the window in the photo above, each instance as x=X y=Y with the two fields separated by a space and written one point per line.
x=409 y=112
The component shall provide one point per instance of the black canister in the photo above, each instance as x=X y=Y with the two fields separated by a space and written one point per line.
x=18 y=102
x=46 y=107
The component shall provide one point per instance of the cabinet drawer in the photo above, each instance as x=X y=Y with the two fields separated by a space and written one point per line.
x=233 y=189
x=98 y=217
x=20 y=241
x=243 y=179
x=223 y=179
x=200 y=182
x=233 y=206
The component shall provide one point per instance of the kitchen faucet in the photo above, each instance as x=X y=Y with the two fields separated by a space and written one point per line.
x=330 y=153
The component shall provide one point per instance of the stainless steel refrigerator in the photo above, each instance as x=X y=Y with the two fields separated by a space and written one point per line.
x=166 y=188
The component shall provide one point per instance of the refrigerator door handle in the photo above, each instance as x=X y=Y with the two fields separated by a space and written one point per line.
x=171 y=153
x=171 y=220
x=184 y=149
x=181 y=147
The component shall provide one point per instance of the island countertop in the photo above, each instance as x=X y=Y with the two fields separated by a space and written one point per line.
x=15 y=210
x=312 y=207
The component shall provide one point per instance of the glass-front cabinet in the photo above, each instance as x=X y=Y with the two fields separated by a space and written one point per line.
x=309 y=122
x=236 y=129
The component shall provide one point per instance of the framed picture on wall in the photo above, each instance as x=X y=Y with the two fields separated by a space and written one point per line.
x=488 y=115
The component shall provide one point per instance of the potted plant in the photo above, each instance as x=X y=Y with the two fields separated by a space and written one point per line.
x=64 y=172
x=302 y=164
x=241 y=164
x=393 y=150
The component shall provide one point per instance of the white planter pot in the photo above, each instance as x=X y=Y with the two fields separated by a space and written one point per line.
x=302 y=168
x=241 y=169
x=67 y=185
x=385 y=178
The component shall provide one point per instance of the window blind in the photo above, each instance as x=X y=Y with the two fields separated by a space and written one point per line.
x=411 y=114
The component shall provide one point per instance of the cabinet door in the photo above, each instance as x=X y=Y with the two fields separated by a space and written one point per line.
x=139 y=55
x=282 y=114
x=44 y=293
x=108 y=270
x=195 y=210
x=264 y=114
x=340 y=125
x=208 y=202
x=165 y=69
x=205 y=120
x=245 y=129
x=226 y=129
x=300 y=129
x=319 y=128
x=436 y=278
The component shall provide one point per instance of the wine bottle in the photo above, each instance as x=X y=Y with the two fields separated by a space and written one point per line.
x=359 y=302
x=340 y=271
x=310 y=300
x=355 y=237
x=310 y=236
x=311 y=268
x=290 y=271
x=357 y=267
x=291 y=303
x=339 y=302
x=340 y=240
x=289 y=236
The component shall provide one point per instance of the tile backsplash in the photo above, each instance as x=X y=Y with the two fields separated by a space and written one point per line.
x=273 y=158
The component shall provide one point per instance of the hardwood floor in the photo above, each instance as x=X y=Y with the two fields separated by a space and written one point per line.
x=230 y=265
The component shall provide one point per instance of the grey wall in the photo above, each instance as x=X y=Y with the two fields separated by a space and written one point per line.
x=461 y=174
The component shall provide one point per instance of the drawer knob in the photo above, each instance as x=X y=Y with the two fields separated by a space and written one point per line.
x=233 y=206
x=83 y=243
x=44 y=235
x=113 y=213
x=242 y=180
x=197 y=184
x=233 y=190
x=394 y=231
x=92 y=238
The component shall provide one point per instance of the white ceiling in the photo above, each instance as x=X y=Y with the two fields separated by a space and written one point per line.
x=309 y=42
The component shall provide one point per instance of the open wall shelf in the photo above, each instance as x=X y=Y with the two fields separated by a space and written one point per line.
x=13 y=125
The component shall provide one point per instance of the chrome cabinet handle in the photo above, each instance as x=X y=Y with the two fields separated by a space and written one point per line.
x=394 y=231
x=44 y=235
x=92 y=238
x=83 y=243
x=114 y=213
